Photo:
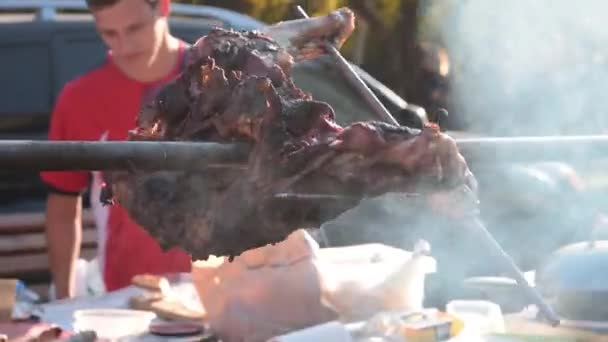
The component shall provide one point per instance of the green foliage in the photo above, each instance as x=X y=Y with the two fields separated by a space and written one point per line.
x=275 y=10
x=389 y=11
x=265 y=10
x=318 y=7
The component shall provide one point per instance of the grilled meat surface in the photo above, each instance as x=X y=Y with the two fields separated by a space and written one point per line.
x=237 y=88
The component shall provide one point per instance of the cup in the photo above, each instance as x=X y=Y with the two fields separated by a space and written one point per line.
x=8 y=294
x=480 y=315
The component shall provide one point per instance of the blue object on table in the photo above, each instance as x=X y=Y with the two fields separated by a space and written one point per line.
x=23 y=294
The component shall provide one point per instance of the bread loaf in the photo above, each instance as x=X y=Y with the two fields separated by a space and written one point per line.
x=165 y=308
x=151 y=282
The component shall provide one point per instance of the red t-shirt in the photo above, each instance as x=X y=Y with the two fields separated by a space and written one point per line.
x=102 y=105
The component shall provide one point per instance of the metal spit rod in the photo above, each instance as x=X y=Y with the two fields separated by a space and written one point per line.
x=117 y=155
x=123 y=155
x=532 y=149
x=353 y=78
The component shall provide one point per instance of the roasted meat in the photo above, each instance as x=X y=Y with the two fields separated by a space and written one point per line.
x=237 y=88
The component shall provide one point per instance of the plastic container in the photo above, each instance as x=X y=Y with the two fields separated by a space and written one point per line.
x=481 y=316
x=113 y=323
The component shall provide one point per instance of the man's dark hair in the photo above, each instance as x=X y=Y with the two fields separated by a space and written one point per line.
x=99 y=4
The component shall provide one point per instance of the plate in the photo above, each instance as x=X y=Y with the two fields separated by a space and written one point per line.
x=176 y=329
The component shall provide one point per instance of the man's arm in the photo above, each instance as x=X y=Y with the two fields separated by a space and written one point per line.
x=64 y=234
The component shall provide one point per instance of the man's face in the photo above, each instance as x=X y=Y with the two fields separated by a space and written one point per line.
x=132 y=30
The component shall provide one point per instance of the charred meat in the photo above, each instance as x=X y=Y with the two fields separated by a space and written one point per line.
x=237 y=88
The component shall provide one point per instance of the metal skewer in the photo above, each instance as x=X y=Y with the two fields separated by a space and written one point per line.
x=477 y=226
x=533 y=295
x=351 y=76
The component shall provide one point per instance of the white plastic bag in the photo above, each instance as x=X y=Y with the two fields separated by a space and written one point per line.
x=273 y=290
x=88 y=280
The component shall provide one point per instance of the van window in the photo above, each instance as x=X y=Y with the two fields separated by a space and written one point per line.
x=75 y=54
x=25 y=75
x=328 y=85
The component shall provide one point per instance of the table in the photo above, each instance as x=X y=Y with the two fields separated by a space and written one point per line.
x=524 y=324
x=60 y=312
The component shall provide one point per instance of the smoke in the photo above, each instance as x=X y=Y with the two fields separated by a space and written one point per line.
x=523 y=67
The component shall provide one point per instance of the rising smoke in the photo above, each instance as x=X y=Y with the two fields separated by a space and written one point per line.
x=522 y=67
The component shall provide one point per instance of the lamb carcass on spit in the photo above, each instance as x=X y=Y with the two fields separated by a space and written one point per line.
x=237 y=88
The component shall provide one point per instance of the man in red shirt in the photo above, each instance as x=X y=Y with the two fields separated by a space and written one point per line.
x=102 y=105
